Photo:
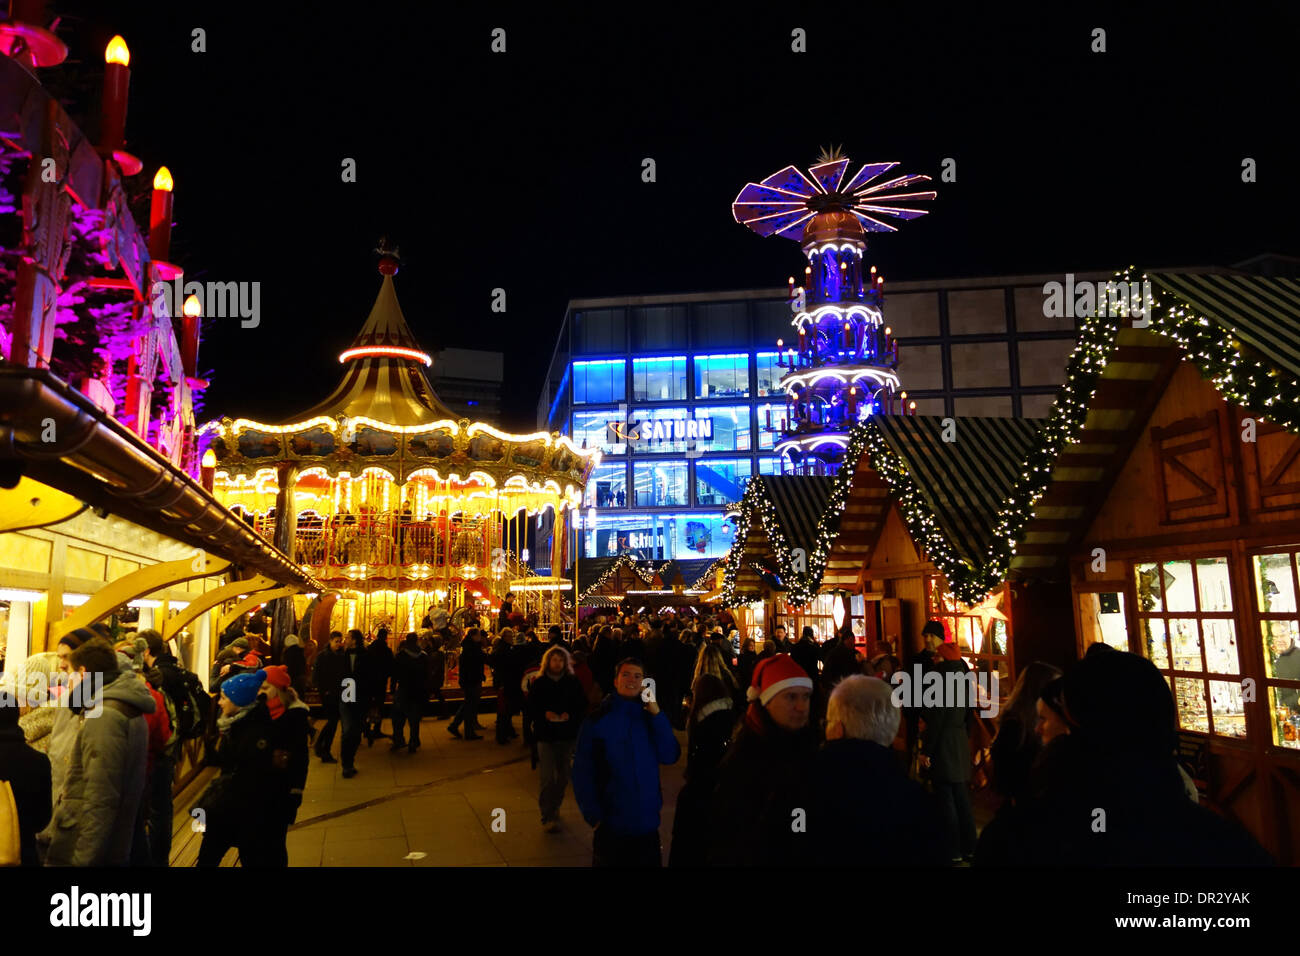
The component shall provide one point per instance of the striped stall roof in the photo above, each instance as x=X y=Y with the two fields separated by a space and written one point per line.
x=1257 y=310
x=965 y=482
x=799 y=502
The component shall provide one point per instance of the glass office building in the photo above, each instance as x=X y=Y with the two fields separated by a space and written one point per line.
x=653 y=364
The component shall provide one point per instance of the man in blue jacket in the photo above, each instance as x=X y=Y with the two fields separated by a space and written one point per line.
x=616 y=771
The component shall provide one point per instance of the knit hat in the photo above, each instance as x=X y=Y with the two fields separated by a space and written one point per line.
x=277 y=675
x=242 y=689
x=775 y=674
x=240 y=642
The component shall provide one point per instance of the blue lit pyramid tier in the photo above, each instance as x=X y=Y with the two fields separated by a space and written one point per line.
x=846 y=363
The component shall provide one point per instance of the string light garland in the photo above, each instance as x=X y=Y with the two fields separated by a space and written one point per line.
x=1242 y=375
x=646 y=574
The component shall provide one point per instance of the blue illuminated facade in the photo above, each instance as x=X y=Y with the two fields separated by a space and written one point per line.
x=650 y=365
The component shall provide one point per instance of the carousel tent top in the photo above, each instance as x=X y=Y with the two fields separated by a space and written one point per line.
x=384 y=379
x=385 y=417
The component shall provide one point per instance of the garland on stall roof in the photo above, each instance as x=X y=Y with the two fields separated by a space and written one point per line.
x=801 y=586
x=625 y=560
x=1240 y=374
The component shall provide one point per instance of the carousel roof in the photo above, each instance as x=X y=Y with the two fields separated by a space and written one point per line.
x=384 y=379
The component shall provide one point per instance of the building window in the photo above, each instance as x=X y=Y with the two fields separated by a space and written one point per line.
x=1186 y=628
x=771 y=419
x=769 y=374
x=721 y=481
x=607 y=487
x=729 y=428
x=773 y=320
x=769 y=466
x=659 y=484
x=659 y=379
x=659 y=327
x=1276 y=593
x=591 y=430
x=599 y=382
x=723 y=324
x=982 y=632
x=599 y=330
x=722 y=376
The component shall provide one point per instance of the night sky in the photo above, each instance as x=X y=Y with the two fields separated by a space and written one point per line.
x=523 y=170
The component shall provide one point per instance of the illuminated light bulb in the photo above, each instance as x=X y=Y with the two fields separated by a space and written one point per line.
x=888 y=330
x=117 y=52
x=163 y=179
x=209 y=459
x=780 y=343
x=192 y=307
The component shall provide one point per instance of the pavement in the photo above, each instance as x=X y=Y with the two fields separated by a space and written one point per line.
x=452 y=803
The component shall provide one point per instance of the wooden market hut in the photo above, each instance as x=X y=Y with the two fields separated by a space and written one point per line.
x=624 y=581
x=897 y=536
x=1174 y=513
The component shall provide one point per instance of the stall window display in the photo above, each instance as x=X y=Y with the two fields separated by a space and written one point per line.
x=1276 y=594
x=982 y=631
x=1187 y=629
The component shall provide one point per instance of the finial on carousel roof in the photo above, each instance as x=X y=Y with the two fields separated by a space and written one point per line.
x=388 y=257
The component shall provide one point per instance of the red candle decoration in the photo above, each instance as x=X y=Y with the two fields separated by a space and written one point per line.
x=193 y=313
x=160 y=215
x=117 y=81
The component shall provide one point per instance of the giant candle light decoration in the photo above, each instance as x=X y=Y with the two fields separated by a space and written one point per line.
x=117 y=83
x=160 y=215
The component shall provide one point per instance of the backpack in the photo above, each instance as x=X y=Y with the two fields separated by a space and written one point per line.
x=194 y=709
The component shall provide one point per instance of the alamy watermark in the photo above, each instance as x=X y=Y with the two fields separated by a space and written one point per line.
x=933 y=688
x=1116 y=299
x=217 y=300
x=36 y=690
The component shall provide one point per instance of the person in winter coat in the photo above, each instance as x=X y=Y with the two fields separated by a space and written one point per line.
x=842 y=659
x=557 y=705
x=945 y=751
x=616 y=771
x=162 y=738
x=806 y=654
x=294 y=657
x=1118 y=755
x=746 y=663
x=438 y=673
x=766 y=773
x=1017 y=744
x=505 y=679
x=290 y=723
x=228 y=657
x=472 y=659
x=328 y=673
x=352 y=705
x=28 y=772
x=866 y=812
x=604 y=656
x=245 y=806
x=709 y=728
x=376 y=671
x=411 y=692
x=94 y=817
x=40 y=670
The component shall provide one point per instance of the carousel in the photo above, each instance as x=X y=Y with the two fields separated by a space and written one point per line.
x=397 y=506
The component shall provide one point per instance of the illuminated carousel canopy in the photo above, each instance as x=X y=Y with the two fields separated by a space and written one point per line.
x=385 y=417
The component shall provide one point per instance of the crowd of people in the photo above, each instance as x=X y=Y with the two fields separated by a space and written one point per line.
x=797 y=754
